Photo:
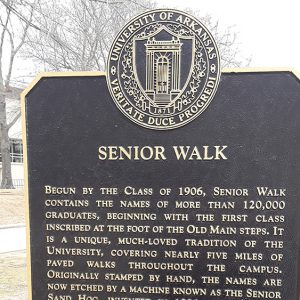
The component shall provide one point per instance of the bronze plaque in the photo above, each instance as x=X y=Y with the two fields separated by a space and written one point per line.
x=163 y=179
x=205 y=211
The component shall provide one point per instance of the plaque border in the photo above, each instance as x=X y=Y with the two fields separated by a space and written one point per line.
x=178 y=124
x=31 y=86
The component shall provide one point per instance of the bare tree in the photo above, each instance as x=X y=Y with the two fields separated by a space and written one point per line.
x=13 y=32
x=77 y=34
x=227 y=41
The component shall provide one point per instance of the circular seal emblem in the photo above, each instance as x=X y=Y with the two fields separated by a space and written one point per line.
x=163 y=69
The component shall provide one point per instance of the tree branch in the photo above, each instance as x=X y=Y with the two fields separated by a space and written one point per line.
x=4 y=27
x=5 y=24
x=14 y=120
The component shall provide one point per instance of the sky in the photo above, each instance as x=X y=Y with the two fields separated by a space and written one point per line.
x=268 y=30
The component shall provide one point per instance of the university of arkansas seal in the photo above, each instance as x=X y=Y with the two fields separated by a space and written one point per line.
x=163 y=69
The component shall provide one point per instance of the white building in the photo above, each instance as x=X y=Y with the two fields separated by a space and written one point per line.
x=16 y=147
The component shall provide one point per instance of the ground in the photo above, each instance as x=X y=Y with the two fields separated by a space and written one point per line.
x=12 y=208
x=12 y=264
x=13 y=276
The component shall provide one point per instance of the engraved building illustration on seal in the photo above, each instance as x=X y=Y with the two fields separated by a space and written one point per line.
x=163 y=80
x=163 y=69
